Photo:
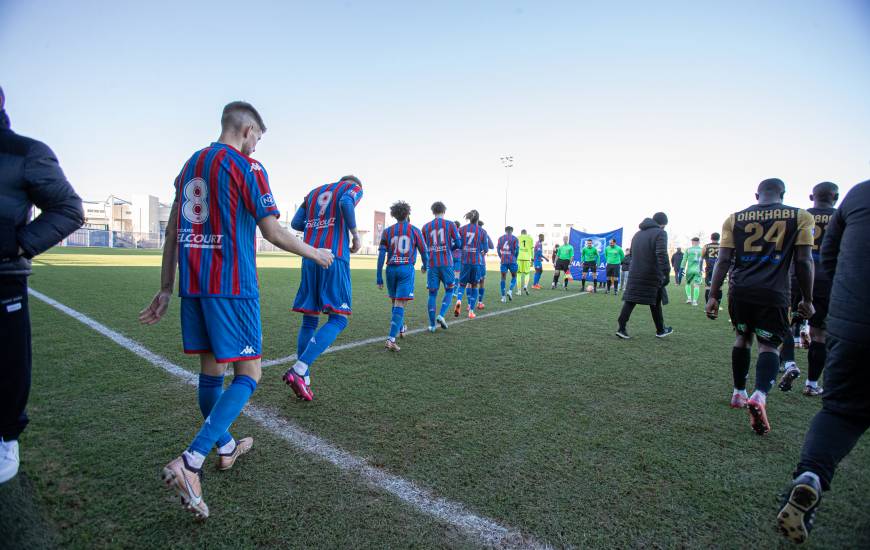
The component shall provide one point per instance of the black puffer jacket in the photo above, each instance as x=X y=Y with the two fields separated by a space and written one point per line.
x=845 y=249
x=650 y=269
x=30 y=175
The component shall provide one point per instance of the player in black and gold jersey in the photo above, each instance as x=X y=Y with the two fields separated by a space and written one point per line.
x=763 y=240
x=709 y=254
x=824 y=197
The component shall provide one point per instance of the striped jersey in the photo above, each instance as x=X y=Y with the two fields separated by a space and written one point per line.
x=325 y=221
x=401 y=242
x=442 y=237
x=475 y=244
x=221 y=194
x=539 y=252
x=508 y=247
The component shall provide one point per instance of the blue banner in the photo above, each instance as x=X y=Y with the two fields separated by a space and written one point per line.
x=599 y=241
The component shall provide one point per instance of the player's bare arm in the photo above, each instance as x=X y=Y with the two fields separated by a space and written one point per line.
x=719 y=273
x=158 y=306
x=288 y=242
x=804 y=270
x=356 y=242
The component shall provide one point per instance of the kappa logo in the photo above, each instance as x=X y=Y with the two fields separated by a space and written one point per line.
x=248 y=351
x=344 y=305
x=255 y=167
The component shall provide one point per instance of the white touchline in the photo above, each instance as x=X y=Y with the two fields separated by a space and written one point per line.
x=487 y=531
x=380 y=339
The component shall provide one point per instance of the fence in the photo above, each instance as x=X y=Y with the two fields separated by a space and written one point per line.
x=102 y=238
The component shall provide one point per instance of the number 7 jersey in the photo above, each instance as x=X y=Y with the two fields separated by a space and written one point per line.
x=764 y=237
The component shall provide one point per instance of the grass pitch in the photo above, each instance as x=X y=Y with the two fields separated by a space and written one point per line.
x=539 y=418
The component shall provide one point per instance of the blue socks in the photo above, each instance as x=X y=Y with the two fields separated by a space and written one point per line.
x=223 y=414
x=324 y=338
x=445 y=304
x=537 y=277
x=397 y=321
x=480 y=294
x=502 y=287
x=472 y=298
x=210 y=390
x=306 y=332
x=460 y=292
x=513 y=284
x=433 y=295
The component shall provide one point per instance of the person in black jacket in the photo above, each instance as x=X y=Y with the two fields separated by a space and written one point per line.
x=845 y=414
x=29 y=175
x=650 y=273
x=626 y=265
x=677 y=264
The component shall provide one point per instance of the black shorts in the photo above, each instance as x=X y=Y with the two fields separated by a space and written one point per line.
x=563 y=265
x=590 y=266
x=768 y=323
x=612 y=270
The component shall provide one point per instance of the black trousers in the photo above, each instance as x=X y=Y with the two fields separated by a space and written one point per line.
x=656 y=310
x=845 y=414
x=15 y=356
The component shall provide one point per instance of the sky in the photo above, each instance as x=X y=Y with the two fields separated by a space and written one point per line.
x=611 y=110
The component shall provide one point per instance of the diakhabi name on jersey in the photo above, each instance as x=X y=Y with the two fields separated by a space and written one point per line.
x=319 y=224
x=199 y=240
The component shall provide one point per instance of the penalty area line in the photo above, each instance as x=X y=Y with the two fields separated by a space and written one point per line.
x=486 y=531
x=380 y=339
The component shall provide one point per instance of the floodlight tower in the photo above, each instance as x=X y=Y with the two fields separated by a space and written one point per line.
x=508 y=162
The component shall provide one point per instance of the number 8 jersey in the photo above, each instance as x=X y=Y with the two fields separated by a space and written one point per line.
x=763 y=237
x=221 y=194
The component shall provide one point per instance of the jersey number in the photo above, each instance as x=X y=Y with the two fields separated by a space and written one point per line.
x=323 y=202
x=776 y=235
x=437 y=236
x=402 y=244
x=195 y=208
x=818 y=232
x=469 y=238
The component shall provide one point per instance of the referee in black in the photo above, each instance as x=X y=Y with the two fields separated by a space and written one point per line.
x=29 y=176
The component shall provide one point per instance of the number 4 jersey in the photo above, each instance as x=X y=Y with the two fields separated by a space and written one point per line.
x=763 y=238
x=221 y=194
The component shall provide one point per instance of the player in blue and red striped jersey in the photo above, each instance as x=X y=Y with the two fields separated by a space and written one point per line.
x=442 y=240
x=458 y=289
x=474 y=247
x=399 y=246
x=538 y=261
x=507 y=248
x=221 y=197
x=481 y=285
x=327 y=219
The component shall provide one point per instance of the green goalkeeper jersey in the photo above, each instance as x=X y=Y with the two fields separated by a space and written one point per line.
x=614 y=255
x=565 y=252
x=589 y=254
x=692 y=260
x=527 y=247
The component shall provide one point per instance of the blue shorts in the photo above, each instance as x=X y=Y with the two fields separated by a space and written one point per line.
x=538 y=264
x=227 y=327
x=440 y=274
x=400 y=282
x=509 y=267
x=324 y=290
x=471 y=274
x=457 y=268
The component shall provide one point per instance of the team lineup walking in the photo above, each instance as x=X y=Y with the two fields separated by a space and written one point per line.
x=787 y=278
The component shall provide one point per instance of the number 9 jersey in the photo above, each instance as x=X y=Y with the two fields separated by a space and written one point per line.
x=763 y=237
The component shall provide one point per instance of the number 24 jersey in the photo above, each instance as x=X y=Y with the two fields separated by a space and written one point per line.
x=764 y=237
